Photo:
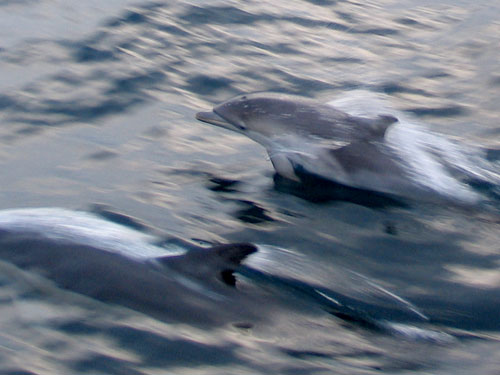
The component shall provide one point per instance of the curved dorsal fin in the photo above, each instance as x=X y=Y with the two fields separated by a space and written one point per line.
x=219 y=261
x=379 y=125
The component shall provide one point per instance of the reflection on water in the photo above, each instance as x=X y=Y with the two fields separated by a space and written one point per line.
x=97 y=106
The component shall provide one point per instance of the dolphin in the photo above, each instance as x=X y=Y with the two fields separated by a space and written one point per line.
x=74 y=254
x=306 y=138
x=78 y=252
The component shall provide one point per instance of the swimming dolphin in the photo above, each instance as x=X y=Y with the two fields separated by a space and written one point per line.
x=303 y=136
x=80 y=252
x=77 y=255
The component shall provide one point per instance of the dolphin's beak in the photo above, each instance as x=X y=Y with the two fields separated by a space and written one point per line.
x=214 y=119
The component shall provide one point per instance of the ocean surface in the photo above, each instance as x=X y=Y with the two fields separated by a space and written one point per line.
x=97 y=114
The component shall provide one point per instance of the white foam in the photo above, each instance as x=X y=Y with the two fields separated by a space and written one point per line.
x=270 y=259
x=419 y=334
x=81 y=228
x=428 y=156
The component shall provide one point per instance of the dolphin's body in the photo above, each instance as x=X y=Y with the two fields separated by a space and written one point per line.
x=82 y=253
x=302 y=135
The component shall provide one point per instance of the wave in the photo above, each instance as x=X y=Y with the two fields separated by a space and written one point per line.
x=80 y=227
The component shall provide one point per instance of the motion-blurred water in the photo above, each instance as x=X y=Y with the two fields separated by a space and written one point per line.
x=97 y=109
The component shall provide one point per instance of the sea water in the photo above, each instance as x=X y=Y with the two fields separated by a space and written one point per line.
x=97 y=108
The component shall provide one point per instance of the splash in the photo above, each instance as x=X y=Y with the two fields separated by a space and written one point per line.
x=82 y=227
x=344 y=290
x=434 y=162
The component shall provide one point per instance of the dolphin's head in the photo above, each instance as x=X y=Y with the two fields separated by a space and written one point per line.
x=263 y=114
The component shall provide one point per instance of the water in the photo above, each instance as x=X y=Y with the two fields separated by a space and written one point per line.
x=97 y=113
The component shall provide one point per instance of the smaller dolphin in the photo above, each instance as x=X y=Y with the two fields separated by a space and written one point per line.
x=304 y=137
x=300 y=133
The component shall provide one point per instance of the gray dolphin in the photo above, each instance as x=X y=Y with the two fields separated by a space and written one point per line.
x=82 y=253
x=302 y=135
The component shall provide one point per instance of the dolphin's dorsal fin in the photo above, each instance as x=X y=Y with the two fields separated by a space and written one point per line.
x=232 y=253
x=216 y=262
x=379 y=125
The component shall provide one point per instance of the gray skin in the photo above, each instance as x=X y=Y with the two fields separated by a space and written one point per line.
x=318 y=139
x=196 y=288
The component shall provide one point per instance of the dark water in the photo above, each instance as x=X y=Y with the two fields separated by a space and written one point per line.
x=97 y=107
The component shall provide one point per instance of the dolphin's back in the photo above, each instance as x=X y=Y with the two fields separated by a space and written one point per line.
x=326 y=122
x=301 y=117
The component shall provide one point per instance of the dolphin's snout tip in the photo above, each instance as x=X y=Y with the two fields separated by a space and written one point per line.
x=212 y=118
x=201 y=116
